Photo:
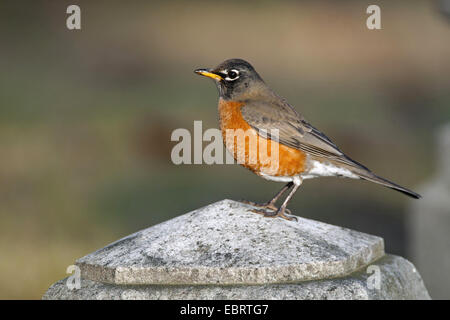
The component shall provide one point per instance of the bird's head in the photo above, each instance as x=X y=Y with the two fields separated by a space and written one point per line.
x=234 y=78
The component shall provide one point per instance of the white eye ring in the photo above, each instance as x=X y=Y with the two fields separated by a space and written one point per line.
x=227 y=78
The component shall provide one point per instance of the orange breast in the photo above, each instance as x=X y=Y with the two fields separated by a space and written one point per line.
x=262 y=156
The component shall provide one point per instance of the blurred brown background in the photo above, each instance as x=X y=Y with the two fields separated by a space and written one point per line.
x=86 y=116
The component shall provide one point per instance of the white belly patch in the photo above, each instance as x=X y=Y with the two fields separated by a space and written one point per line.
x=276 y=178
x=320 y=169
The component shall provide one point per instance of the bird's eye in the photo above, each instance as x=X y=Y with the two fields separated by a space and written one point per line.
x=232 y=75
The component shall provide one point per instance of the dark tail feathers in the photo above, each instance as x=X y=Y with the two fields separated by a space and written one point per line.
x=374 y=178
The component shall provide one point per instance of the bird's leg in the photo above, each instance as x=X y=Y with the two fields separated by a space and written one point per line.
x=281 y=212
x=270 y=204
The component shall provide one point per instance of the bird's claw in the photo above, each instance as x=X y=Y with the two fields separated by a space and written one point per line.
x=268 y=206
x=271 y=214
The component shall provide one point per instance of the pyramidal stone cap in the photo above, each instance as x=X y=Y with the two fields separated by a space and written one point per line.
x=225 y=243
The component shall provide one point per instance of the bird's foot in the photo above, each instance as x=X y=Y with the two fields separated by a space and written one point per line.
x=274 y=214
x=266 y=205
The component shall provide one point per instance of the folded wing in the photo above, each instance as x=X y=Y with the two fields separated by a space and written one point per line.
x=294 y=131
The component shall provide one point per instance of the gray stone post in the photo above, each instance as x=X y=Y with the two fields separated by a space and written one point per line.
x=224 y=251
x=430 y=223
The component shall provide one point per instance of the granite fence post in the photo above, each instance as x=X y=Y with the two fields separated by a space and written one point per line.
x=224 y=251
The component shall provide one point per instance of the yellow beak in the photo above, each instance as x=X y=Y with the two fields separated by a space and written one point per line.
x=209 y=74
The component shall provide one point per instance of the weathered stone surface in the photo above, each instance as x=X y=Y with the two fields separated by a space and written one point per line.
x=399 y=280
x=224 y=251
x=225 y=243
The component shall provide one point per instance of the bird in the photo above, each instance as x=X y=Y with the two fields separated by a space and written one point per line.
x=303 y=152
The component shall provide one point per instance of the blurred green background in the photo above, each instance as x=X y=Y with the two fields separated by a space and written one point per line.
x=86 y=116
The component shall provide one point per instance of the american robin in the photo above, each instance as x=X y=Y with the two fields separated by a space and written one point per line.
x=247 y=103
